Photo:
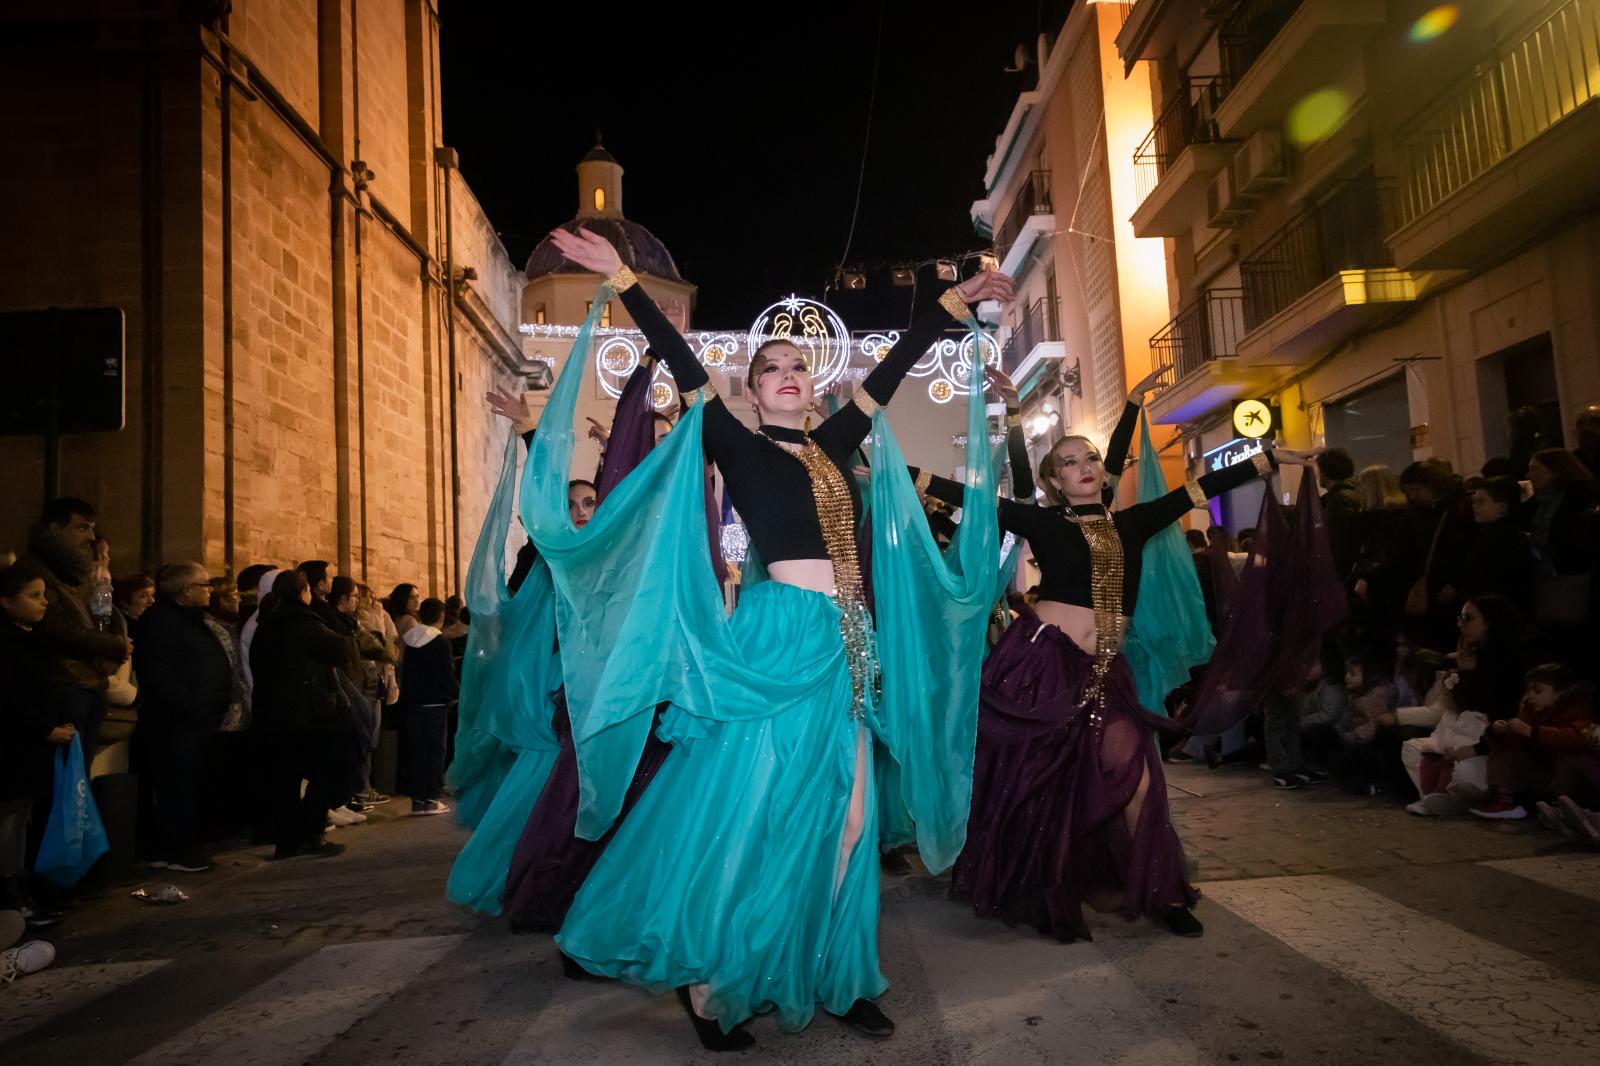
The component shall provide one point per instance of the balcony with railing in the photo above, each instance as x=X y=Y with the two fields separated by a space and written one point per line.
x=1198 y=352
x=1177 y=160
x=1509 y=148
x=1030 y=218
x=1276 y=52
x=1321 y=277
x=1032 y=342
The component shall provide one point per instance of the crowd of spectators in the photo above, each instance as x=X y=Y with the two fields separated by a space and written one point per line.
x=250 y=705
x=1463 y=680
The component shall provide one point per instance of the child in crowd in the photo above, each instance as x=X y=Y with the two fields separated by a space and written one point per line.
x=1537 y=752
x=1368 y=729
x=34 y=725
x=1444 y=766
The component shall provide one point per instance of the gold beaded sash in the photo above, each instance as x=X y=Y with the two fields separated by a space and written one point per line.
x=1105 y=588
x=836 y=515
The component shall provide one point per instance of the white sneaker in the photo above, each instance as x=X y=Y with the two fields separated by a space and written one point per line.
x=1419 y=808
x=31 y=957
x=342 y=816
x=1440 y=804
x=355 y=817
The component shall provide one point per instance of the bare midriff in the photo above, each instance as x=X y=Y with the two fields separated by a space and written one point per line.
x=813 y=574
x=1075 y=621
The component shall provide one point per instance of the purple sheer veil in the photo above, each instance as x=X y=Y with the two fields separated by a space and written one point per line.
x=1283 y=604
x=633 y=432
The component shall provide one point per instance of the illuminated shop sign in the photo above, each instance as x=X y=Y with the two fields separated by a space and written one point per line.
x=1238 y=450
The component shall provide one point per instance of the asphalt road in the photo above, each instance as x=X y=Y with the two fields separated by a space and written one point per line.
x=1338 y=930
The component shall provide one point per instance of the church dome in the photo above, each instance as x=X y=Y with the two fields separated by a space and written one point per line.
x=600 y=210
x=641 y=251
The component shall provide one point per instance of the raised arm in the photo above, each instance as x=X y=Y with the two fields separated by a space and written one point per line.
x=1122 y=436
x=1144 y=520
x=593 y=252
x=847 y=427
x=1015 y=516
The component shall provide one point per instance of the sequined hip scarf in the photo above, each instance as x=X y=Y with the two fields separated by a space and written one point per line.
x=1105 y=587
x=836 y=515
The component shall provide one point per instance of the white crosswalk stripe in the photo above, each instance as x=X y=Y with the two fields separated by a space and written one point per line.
x=29 y=1002
x=1577 y=874
x=1488 y=998
x=288 y=1018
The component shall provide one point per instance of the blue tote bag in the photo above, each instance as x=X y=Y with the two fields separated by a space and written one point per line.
x=74 y=836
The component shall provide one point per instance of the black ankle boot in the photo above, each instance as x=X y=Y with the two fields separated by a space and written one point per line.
x=1182 y=922
x=712 y=1038
x=865 y=1017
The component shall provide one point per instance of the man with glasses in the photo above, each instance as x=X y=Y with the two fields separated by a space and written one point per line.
x=186 y=682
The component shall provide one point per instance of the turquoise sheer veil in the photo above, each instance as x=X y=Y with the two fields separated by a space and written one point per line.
x=638 y=609
x=641 y=620
x=932 y=622
x=505 y=707
x=1170 y=632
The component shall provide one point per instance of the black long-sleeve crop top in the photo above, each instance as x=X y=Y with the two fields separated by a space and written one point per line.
x=1062 y=551
x=769 y=487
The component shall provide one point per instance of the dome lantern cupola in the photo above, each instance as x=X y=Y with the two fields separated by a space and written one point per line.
x=599 y=185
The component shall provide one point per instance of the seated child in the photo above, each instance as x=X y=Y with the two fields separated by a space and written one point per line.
x=1535 y=753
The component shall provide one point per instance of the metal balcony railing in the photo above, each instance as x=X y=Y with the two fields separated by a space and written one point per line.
x=1188 y=119
x=1345 y=231
x=1033 y=198
x=1207 y=330
x=1247 y=32
x=1037 y=326
x=1511 y=98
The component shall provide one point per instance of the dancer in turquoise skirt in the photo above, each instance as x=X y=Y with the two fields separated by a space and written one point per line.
x=739 y=879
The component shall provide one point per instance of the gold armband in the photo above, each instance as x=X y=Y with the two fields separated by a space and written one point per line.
x=524 y=426
x=865 y=403
x=924 y=479
x=1262 y=462
x=1197 y=495
x=1013 y=419
x=951 y=301
x=703 y=394
x=621 y=281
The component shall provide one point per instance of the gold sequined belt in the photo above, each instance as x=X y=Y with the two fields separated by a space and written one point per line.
x=1105 y=587
x=836 y=515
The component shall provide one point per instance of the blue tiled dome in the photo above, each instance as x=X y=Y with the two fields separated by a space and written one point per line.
x=638 y=247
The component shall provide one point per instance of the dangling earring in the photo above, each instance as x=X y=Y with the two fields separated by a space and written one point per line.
x=812 y=406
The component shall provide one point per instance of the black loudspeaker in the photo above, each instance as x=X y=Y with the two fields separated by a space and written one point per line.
x=73 y=357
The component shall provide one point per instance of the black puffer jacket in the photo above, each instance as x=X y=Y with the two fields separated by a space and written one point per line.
x=185 y=678
x=292 y=659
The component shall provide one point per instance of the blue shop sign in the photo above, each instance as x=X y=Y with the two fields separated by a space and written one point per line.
x=1238 y=450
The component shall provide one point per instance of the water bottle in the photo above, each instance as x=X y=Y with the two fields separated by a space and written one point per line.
x=100 y=605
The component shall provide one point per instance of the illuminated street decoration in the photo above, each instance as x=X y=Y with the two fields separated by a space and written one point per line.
x=812 y=327
x=809 y=324
x=735 y=542
x=660 y=395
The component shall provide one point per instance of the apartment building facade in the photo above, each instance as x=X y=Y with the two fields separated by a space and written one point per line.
x=1380 y=219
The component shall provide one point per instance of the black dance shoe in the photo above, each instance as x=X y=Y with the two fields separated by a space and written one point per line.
x=712 y=1038
x=1182 y=922
x=865 y=1017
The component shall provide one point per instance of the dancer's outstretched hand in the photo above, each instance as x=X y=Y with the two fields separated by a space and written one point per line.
x=988 y=285
x=1284 y=455
x=589 y=250
x=1150 y=381
x=999 y=381
x=508 y=406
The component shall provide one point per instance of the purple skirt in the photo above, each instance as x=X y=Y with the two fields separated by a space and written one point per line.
x=1051 y=780
x=550 y=862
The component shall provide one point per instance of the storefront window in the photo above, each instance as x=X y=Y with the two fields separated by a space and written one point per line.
x=1373 y=425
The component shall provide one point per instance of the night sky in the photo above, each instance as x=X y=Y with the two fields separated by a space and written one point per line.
x=740 y=130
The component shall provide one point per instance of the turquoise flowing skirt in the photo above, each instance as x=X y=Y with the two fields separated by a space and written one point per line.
x=727 y=872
